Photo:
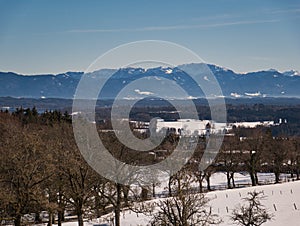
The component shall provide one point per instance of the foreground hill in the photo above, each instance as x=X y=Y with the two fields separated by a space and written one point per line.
x=282 y=200
x=284 y=197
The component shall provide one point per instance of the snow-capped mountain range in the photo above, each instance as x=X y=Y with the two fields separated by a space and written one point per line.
x=267 y=83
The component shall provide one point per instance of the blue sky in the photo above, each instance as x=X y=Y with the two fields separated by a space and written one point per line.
x=38 y=36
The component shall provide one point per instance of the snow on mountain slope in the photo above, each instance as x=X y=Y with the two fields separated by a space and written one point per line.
x=270 y=83
x=291 y=73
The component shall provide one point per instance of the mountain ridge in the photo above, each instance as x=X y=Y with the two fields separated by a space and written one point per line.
x=264 y=83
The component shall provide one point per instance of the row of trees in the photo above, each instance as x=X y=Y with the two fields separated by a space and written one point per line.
x=257 y=152
x=187 y=208
x=42 y=169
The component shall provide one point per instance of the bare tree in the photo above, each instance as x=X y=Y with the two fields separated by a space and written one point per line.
x=184 y=208
x=252 y=154
x=117 y=193
x=293 y=157
x=81 y=181
x=24 y=169
x=209 y=171
x=230 y=157
x=297 y=157
x=195 y=163
x=74 y=180
x=253 y=213
x=276 y=148
x=278 y=156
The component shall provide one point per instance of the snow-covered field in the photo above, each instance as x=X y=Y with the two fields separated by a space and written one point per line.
x=284 y=197
x=218 y=181
x=283 y=200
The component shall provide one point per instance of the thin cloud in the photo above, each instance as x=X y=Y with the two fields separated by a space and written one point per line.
x=297 y=10
x=174 y=27
x=217 y=17
x=99 y=30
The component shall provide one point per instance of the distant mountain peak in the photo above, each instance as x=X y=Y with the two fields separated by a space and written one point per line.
x=218 y=67
x=270 y=83
x=291 y=73
x=272 y=70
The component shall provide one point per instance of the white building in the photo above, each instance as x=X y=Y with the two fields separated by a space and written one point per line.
x=190 y=126
x=203 y=127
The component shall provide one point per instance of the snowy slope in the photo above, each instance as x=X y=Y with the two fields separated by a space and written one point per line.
x=284 y=197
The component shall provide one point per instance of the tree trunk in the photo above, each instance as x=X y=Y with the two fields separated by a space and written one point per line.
x=228 y=180
x=144 y=194
x=200 y=178
x=61 y=207
x=50 y=218
x=37 y=218
x=200 y=186
x=233 y=182
x=61 y=210
x=256 y=178
x=232 y=179
x=97 y=203
x=60 y=217
x=118 y=206
x=252 y=169
x=126 y=194
x=253 y=181
x=80 y=217
x=170 y=187
x=17 y=220
x=277 y=179
x=208 y=182
x=153 y=190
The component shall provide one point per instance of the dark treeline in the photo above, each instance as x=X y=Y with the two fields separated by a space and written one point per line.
x=42 y=169
x=238 y=110
x=235 y=113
